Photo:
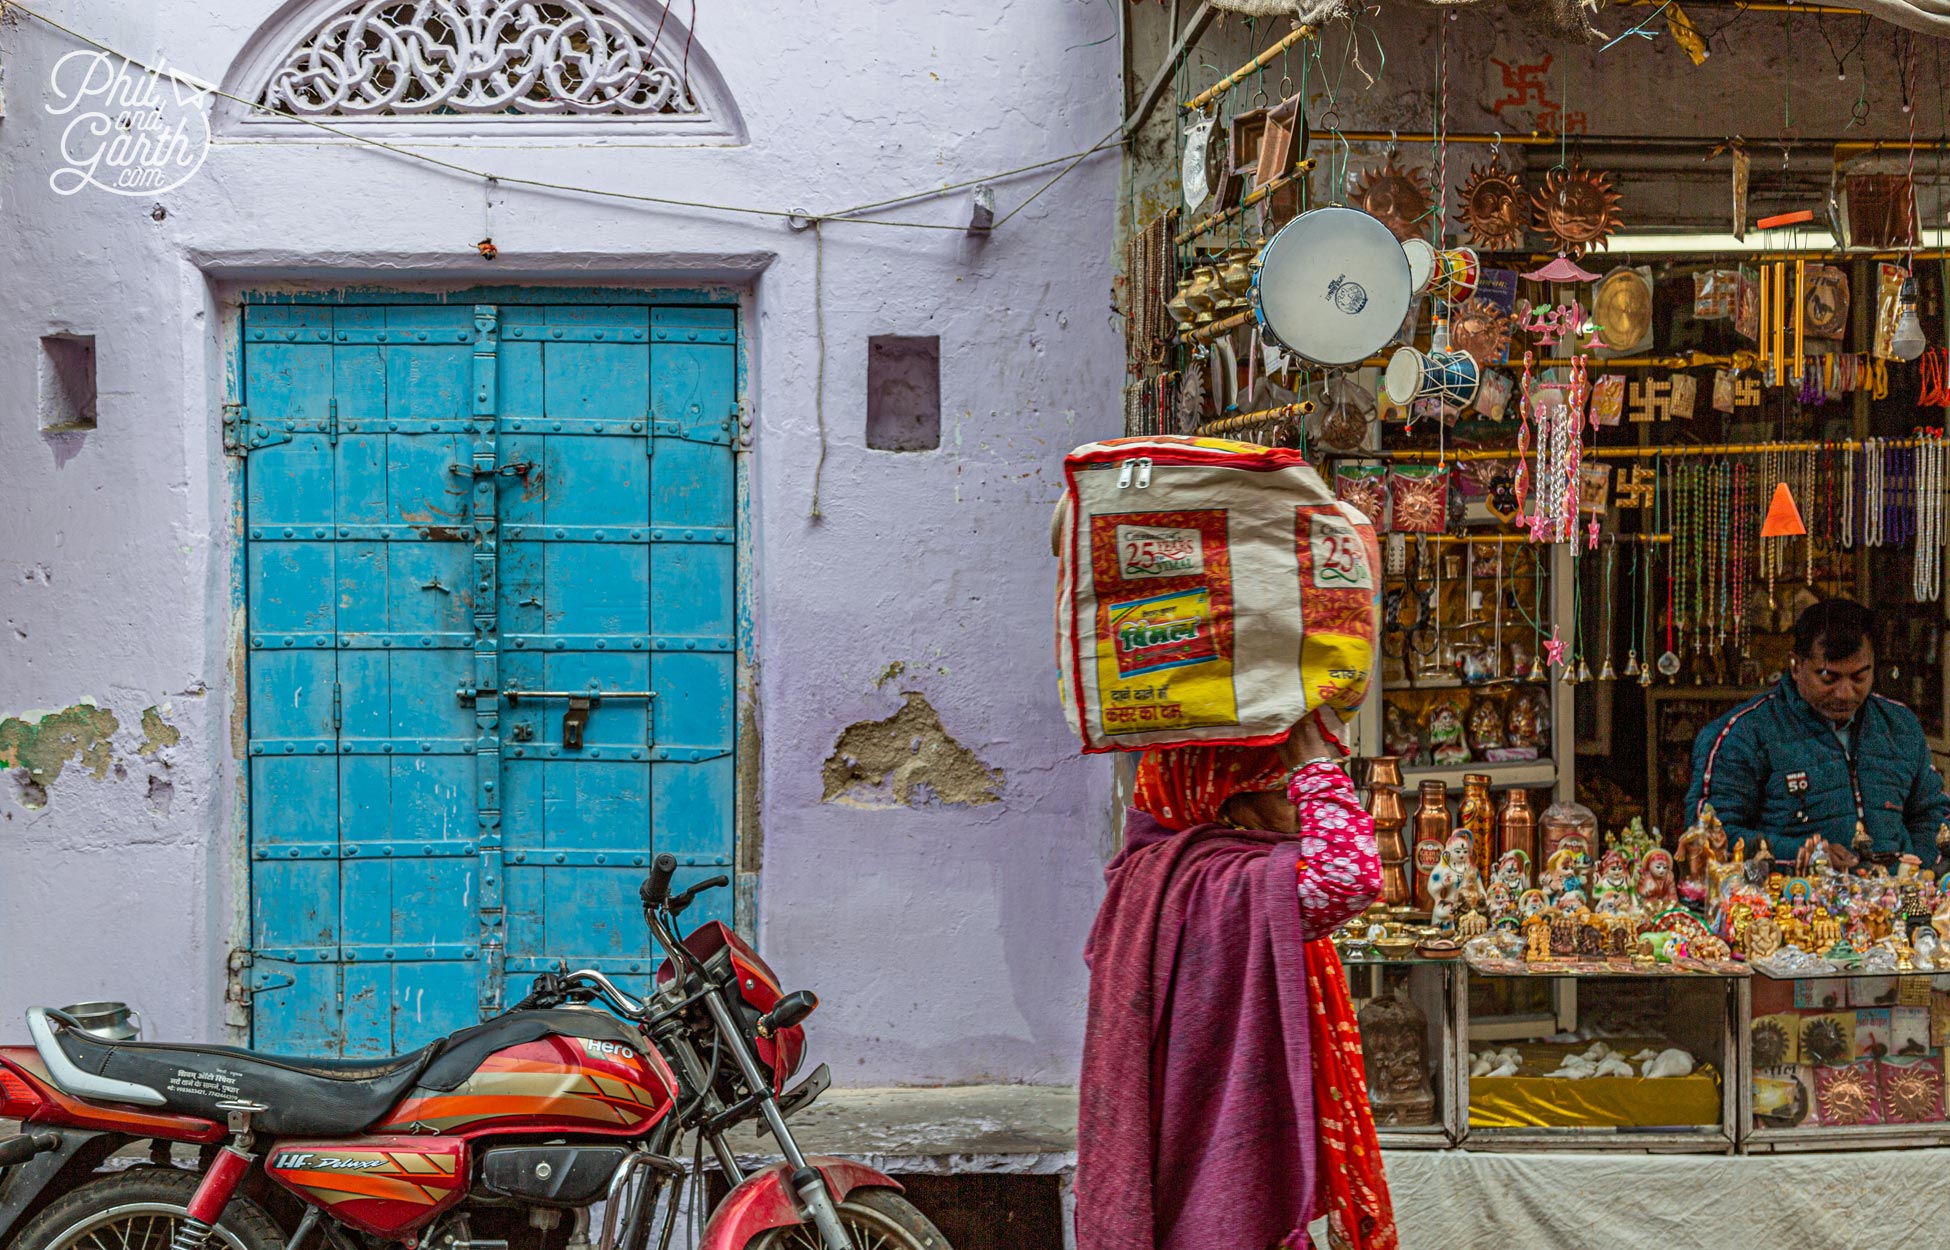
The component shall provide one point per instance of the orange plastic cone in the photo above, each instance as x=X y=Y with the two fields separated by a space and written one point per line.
x=1783 y=518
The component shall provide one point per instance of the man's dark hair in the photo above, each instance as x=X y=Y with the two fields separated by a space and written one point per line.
x=1840 y=625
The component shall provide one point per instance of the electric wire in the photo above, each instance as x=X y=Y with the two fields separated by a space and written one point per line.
x=455 y=167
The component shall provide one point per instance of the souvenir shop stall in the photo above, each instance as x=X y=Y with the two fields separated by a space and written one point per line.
x=1605 y=482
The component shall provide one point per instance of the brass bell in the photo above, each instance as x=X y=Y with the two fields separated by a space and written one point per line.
x=1632 y=663
x=1584 y=670
x=1606 y=672
x=1645 y=675
x=1537 y=671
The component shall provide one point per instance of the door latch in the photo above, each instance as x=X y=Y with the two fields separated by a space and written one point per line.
x=573 y=721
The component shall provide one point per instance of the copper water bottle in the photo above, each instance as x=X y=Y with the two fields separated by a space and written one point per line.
x=1390 y=819
x=1432 y=826
x=1516 y=830
x=1478 y=815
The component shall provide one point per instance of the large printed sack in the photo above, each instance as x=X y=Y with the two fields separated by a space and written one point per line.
x=1210 y=591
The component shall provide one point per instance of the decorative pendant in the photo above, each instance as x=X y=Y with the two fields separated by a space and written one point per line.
x=1492 y=203
x=1397 y=197
x=1669 y=665
x=1645 y=675
x=1577 y=207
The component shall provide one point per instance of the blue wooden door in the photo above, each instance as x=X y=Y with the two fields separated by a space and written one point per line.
x=490 y=579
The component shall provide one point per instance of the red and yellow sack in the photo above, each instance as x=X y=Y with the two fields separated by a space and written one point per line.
x=1210 y=591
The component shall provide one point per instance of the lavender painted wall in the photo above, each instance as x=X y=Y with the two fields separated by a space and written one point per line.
x=944 y=938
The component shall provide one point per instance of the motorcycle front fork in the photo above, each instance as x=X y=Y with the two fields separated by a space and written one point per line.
x=805 y=1180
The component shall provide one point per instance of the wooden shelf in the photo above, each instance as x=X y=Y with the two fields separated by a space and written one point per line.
x=1523 y=773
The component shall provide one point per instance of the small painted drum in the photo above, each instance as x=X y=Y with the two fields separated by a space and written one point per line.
x=1450 y=377
x=1457 y=273
x=1422 y=258
x=1332 y=286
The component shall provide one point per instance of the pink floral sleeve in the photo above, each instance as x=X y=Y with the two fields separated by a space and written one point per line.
x=1340 y=872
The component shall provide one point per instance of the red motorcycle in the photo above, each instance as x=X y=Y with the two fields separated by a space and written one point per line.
x=507 y=1134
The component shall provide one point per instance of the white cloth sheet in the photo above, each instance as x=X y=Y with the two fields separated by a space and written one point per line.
x=1464 y=1200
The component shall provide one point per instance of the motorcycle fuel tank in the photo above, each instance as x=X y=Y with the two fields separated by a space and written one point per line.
x=555 y=1084
x=387 y=1186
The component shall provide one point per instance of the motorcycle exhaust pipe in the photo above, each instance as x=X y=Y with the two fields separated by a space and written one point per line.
x=24 y=1147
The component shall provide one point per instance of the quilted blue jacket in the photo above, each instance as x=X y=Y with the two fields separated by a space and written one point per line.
x=1774 y=768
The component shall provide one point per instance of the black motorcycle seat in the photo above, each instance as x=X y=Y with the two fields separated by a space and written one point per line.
x=321 y=1097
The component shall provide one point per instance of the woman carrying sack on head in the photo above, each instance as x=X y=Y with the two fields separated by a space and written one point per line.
x=1224 y=1103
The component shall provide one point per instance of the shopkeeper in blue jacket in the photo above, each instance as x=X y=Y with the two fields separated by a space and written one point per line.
x=1822 y=755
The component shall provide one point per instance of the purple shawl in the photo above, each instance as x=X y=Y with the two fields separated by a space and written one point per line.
x=1196 y=1128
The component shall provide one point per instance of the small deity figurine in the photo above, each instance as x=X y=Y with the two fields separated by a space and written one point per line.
x=1452 y=881
x=1633 y=841
x=1761 y=866
x=1763 y=936
x=1564 y=936
x=1564 y=871
x=1794 y=930
x=1485 y=726
x=1571 y=902
x=1657 y=890
x=1622 y=936
x=1824 y=930
x=1526 y=720
x=1798 y=892
x=1532 y=902
x=1537 y=937
x=1591 y=936
x=1723 y=875
x=1446 y=742
x=1703 y=845
x=1399 y=732
x=1739 y=923
x=1472 y=924
x=1613 y=887
x=1501 y=901
x=1513 y=871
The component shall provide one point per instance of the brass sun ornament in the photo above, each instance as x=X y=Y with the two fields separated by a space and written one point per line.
x=1492 y=203
x=1398 y=197
x=1577 y=207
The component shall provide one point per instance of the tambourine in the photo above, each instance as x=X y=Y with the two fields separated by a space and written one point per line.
x=1449 y=377
x=1332 y=286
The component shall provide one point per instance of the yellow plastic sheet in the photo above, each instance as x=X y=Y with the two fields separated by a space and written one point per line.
x=1533 y=1100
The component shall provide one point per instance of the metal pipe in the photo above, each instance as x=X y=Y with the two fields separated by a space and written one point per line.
x=1216 y=328
x=1237 y=76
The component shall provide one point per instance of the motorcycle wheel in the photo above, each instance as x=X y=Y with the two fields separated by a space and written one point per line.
x=140 y=1210
x=877 y=1219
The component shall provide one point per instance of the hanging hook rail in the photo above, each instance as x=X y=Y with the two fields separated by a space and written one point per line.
x=1630 y=453
x=1253 y=420
x=1238 y=76
x=1245 y=202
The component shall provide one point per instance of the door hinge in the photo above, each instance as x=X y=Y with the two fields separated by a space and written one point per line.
x=338 y=707
x=332 y=421
x=243 y=435
x=237 y=990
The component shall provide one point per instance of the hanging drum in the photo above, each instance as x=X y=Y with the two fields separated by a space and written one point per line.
x=1422 y=258
x=1332 y=286
x=1446 y=376
x=1456 y=274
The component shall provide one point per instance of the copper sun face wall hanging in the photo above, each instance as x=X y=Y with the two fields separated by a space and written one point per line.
x=1492 y=204
x=1398 y=197
x=1577 y=208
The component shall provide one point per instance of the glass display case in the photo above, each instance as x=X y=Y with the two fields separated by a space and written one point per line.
x=1639 y=1061
x=1408 y=1010
x=1849 y=1059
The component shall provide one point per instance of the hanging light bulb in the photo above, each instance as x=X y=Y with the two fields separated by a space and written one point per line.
x=1908 y=342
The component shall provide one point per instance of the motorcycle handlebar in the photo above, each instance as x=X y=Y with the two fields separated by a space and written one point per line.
x=656 y=887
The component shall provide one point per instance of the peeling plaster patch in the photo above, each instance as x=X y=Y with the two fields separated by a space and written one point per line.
x=892 y=671
x=907 y=760
x=29 y=793
x=43 y=747
x=162 y=794
x=157 y=733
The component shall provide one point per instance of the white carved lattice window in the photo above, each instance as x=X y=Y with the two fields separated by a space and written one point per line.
x=446 y=61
